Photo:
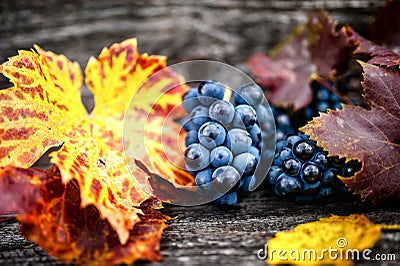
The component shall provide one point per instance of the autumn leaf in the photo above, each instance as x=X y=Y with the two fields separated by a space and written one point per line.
x=368 y=135
x=50 y=214
x=44 y=110
x=378 y=54
x=312 y=50
x=309 y=243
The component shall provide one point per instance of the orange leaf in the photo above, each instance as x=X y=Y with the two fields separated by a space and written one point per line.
x=44 y=110
x=53 y=218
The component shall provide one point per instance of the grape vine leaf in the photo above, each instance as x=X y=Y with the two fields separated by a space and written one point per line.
x=50 y=214
x=43 y=109
x=368 y=135
x=309 y=243
x=314 y=49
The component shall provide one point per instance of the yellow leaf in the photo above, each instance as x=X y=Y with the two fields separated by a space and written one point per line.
x=331 y=240
x=44 y=110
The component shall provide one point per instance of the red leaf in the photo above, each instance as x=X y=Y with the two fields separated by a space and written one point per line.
x=51 y=215
x=371 y=136
x=379 y=55
x=314 y=49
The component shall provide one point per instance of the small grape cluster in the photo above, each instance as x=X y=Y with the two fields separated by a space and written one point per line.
x=223 y=140
x=323 y=99
x=303 y=171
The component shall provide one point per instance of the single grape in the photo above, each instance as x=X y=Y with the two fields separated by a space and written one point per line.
x=351 y=168
x=238 y=141
x=210 y=91
x=321 y=159
x=329 y=176
x=273 y=174
x=291 y=166
x=304 y=150
x=310 y=173
x=255 y=134
x=226 y=178
x=222 y=111
x=256 y=152
x=196 y=157
x=229 y=199
x=221 y=156
x=244 y=116
x=199 y=116
x=204 y=176
x=191 y=137
x=287 y=185
x=245 y=163
x=247 y=183
x=250 y=94
x=292 y=139
x=282 y=155
x=211 y=134
x=190 y=100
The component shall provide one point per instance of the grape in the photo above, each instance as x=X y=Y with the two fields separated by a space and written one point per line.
x=256 y=152
x=226 y=177
x=245 y=116
x=211 y=134
x=310 y=172
x=249 y=94
x=199 y=116
x=303 y=150
x=304 y=171
x=204 y=176
x=247 y=183
x=210 y=91
x=191 y=137
x=227 y=199
x=287 y=185
x=190 y=100
x=221 y=156
x=245 y=163
x=255 y=134
x=222 y=111
x=196 y=157
x=291 y=166
x=238 y=141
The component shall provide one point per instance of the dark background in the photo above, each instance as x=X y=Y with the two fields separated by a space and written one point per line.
x=228 y=31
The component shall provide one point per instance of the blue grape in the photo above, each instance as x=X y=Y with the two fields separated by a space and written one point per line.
x=226 y=178
x=211 y=134
x=190 y=100
x=199 y=115
x=221 y=156
x=245 y=163
x=229 y=199
x=248 y=183
x=196 y=157
x=287 y=185
x=310 y=173
x=210 y=91
x=273 y=174
x=250 y=94
x=204 y=176
x=222 y=111
x=238 y=141
x=244 y=116
x=191 y=137
x=256 y=152
x=255 y=134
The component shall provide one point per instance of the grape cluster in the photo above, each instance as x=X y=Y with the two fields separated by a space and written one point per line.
x=323 y=99
x=223 y=140
x=303 y=171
